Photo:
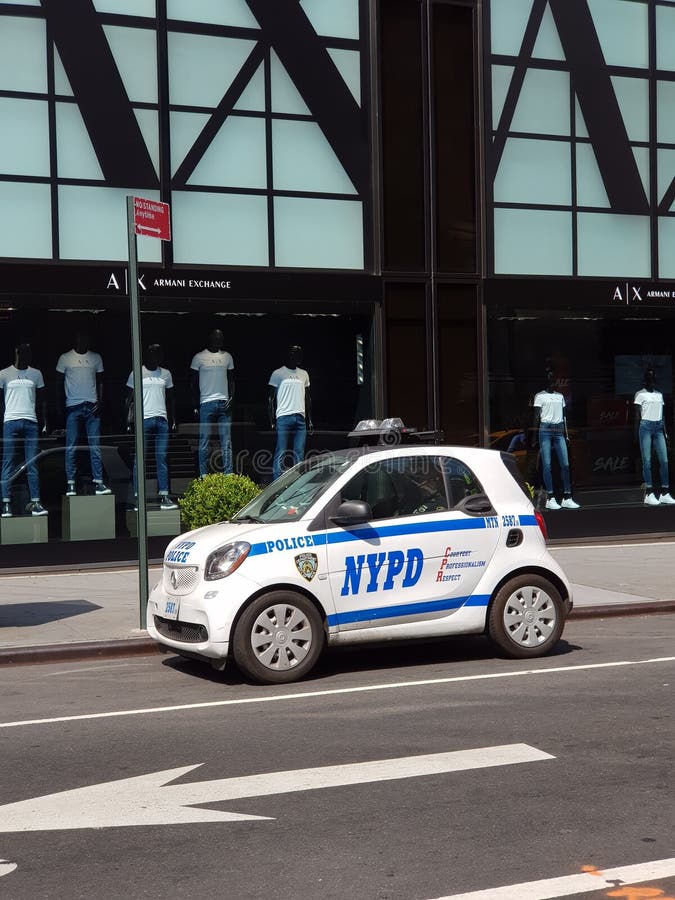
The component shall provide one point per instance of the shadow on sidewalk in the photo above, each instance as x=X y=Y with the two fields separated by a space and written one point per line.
x=22 y=615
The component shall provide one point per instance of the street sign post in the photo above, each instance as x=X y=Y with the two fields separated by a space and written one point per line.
x=150 y=218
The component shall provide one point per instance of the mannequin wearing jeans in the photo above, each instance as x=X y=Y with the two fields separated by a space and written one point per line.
x=212 y=386
x=23 y=394
x=550 y=429
x=650 y=432
x=290 y=408
x=80 y=373
x=159 y=417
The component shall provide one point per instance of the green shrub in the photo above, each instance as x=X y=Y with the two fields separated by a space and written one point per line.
x=215 y=498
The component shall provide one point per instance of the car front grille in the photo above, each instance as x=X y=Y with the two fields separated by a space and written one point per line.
x=180 y=580
x=187 y=632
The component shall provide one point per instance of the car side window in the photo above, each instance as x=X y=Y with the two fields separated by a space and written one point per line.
x=401 y=486
x=461 y=481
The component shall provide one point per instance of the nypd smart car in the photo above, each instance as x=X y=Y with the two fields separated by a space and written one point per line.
x=365 y=544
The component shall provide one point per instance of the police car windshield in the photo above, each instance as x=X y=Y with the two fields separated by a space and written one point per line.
x=289 y=497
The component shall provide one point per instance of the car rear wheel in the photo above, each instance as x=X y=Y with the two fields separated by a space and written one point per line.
x=278 y=638
x=526 y=617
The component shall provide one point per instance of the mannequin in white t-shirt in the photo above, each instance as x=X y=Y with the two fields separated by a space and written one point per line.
x=159 y=417
x=550 y=432
x=650 y=433
x=212 y=388
x=24 y=418
x=80 y=374
x=290 y=408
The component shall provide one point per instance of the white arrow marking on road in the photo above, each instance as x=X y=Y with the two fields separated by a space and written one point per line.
x=568 y=885
x=145 y=800
x=6 y=867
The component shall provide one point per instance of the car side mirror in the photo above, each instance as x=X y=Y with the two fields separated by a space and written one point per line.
x=476 y=505
x=352 y=512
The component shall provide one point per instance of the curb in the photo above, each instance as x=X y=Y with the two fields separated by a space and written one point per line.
x=88 y=650
x=78 y=651
x=654 y=607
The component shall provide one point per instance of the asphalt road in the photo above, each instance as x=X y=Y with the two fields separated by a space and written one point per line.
x=575 y=780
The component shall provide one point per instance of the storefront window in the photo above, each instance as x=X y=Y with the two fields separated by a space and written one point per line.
x=597 y=361
x=81 y=466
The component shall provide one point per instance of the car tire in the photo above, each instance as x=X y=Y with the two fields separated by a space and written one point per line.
x=526 y=617
x=278 y=638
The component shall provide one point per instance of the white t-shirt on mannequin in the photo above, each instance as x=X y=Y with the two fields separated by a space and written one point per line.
x=155 y=384
x=213 y=369
x=651 y=405
x=20 y=387
x=80 y=370
x=291 y=385
x=552 y=406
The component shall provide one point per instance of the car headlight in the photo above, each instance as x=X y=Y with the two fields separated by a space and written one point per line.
x=225 y=560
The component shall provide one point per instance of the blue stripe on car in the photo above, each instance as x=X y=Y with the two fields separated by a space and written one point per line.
x=407 y=609
x=369 y=533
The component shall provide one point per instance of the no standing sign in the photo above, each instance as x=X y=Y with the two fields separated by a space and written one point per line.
x=152 y=218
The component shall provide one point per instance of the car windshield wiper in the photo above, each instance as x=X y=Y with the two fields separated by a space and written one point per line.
x=246 y=519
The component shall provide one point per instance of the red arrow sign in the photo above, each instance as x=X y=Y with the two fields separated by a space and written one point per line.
x=152 y=218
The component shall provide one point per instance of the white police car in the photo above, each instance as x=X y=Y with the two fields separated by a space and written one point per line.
x=362 y=545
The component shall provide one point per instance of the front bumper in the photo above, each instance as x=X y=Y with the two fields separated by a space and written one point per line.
x=205 y=616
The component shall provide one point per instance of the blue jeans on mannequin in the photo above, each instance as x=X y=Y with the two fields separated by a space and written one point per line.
x=553 y=437
x=12 y=433
x=291 y=430
x=652 y=437
x=77 y=416
x=211 y=413
x=158 y=429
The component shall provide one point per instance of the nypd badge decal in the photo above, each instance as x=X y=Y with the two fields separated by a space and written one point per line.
x=307 y=564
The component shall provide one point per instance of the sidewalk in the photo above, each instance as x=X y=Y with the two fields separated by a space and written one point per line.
x=83 y=615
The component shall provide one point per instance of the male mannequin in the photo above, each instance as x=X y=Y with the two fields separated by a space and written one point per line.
x=81 y=382
x=550 y=431
x=650 y=433
x=212 y=387
x=159 y=416
x=24 y=395
x=290 y=408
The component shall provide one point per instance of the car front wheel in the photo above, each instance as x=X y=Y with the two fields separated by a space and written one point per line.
x=526 y=617
x=278 y=638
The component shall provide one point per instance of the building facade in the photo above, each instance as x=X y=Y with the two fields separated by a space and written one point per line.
x=438 y=201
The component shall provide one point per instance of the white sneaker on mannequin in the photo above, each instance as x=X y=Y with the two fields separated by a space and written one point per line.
x=651 y=500
x=666 y=499
x=552 y=503
x=568 y=503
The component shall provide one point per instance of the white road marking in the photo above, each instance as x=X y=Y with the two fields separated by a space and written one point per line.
x=145 y=800
x=6 y=867
x=303 y=695
x=568 y=885
x=93 y=669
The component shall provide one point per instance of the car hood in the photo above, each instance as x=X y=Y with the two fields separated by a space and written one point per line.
x=193 y=547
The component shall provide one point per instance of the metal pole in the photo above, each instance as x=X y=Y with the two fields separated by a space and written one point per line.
x=137 y=368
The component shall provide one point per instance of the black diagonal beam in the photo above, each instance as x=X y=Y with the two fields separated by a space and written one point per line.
x=100 y=93
x=593 y=86
x=219 y=116
x=602 y=114
x=318 y=81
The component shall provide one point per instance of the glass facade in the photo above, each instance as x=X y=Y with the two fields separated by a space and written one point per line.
x=436 y=228
x=579 y=245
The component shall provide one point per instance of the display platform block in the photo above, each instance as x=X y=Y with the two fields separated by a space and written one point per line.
x=24 y=530
x=88 y=518
x=160 y=522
